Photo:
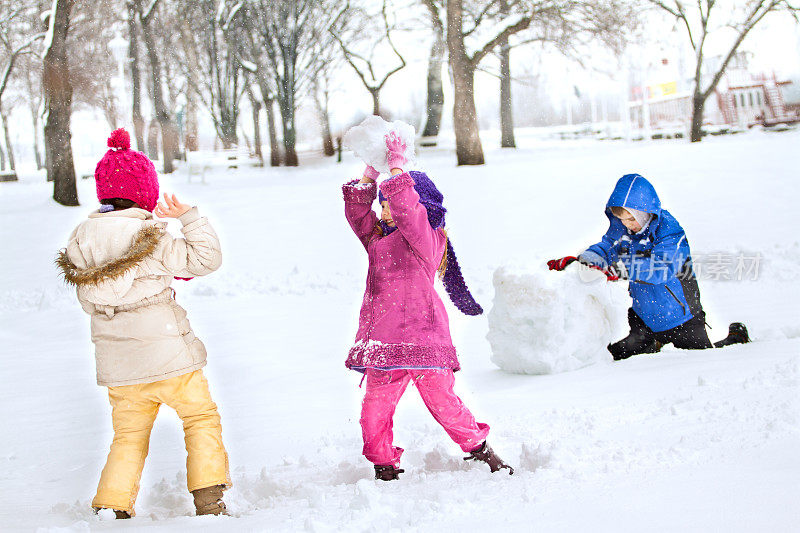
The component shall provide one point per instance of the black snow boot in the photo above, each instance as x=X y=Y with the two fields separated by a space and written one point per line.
x=737 y=334
x=387 y=472
x=487 y=455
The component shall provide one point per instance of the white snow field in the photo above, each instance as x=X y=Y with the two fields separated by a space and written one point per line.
x=677 y=441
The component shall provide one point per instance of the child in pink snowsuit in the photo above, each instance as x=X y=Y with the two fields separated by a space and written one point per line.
x=403 y=332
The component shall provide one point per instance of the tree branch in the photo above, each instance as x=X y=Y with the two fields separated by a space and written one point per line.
x=13 y=58
x=521 y=25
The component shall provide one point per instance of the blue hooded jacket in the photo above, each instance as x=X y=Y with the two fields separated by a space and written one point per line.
x=658 y=260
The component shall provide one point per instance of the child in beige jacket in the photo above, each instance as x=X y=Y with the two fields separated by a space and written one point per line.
x=122 y=263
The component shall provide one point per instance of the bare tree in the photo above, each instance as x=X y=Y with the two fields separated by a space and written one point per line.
x=92 y=65
x=211 y=36
x=506 y=108
x=560 y=21
x=31 y=74
x=255 y=108
x=696 y=20
x=168 y=130
x=463 y=65
x=254 y=60
x=136 y=77
x=329 y=61
x=320 y=95
x=254 y=63
x=58 y=106
x=353 y=27
x=17 y=36
x=283 y=33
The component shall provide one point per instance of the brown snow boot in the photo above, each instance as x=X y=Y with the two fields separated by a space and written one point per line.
x=118 y=515
x=209 y=501
x=486 y=454
x=387 y=472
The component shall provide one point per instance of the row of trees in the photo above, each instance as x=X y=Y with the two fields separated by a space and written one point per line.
x=206 y=56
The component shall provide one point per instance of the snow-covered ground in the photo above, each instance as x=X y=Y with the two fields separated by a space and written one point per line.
x=679 y=441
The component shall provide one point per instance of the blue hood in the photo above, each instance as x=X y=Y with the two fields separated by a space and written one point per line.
x=634 y=191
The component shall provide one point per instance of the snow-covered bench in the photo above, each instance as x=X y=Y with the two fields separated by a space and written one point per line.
x=199 y=162
x=8 y=175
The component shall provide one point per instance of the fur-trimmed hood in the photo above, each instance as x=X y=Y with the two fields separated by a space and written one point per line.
x=122 y=264
x=144 y=244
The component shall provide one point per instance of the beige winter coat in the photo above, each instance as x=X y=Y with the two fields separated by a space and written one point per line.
x=122 y=264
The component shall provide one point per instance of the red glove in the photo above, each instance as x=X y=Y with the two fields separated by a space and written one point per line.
x=560 y=264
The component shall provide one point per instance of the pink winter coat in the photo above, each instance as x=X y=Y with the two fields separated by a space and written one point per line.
x=403 y=323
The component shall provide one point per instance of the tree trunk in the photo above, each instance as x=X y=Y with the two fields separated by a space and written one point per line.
x=136 y=92
x=168 y=147
x=698 y=105
x=274 y=148
x=9 y=147
x=289 y=141
x=506 y=107
x=58 y=103
x=255 y=107
x=321 y=103
x=2 y=159
x=376 y=100
x=287 y=109
x=152 y=139
x=170 y=142
x=327 y=138
x=36 y=150
x=435 y=88
x=227 y=132
x=465 y=118
x=190 y=141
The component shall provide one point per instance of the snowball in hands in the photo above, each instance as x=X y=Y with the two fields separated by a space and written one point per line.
x=368 y=140
x=545 y=322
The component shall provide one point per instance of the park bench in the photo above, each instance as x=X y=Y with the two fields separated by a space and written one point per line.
x=200 y=161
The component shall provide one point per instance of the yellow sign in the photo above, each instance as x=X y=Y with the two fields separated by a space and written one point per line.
x=663 y=89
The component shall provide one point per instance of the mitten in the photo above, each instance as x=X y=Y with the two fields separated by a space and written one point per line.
x=561 y=264
x=371 y=173
x=395 y=151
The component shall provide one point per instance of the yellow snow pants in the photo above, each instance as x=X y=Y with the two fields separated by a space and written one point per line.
x=134 y=410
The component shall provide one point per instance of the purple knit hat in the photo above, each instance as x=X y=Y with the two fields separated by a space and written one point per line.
x=453 y=280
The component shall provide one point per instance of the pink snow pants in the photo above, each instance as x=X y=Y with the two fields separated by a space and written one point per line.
x=435 y=386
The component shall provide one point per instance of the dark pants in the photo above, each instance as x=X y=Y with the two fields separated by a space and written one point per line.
x=690 y=335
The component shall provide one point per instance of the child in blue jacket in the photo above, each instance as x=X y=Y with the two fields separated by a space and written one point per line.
x=647 y=246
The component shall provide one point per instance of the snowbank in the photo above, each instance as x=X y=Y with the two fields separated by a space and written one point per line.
x=546 y=322
x=367 y=140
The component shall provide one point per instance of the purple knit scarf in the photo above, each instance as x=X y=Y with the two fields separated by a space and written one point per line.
x=453 y=280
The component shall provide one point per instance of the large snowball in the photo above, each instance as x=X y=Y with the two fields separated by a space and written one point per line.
x=367 y=140
x=545 y=322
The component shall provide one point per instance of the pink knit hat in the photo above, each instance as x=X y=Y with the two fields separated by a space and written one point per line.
x=126 y=173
